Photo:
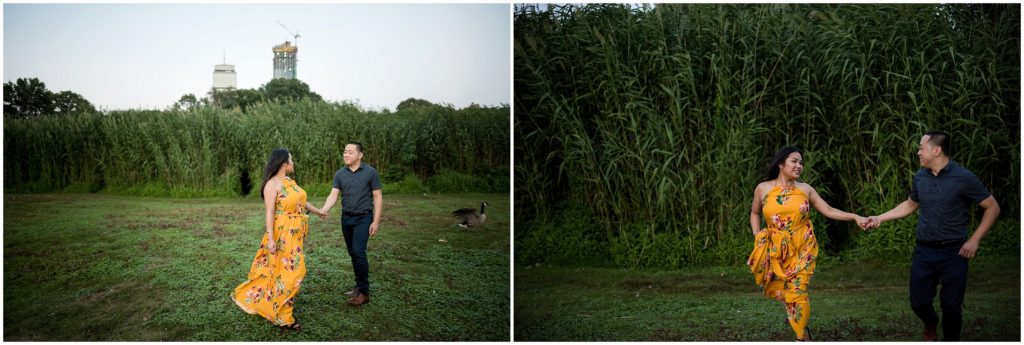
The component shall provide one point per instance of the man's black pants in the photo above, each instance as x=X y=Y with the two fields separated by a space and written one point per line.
x=357 y=232
x=934 y=263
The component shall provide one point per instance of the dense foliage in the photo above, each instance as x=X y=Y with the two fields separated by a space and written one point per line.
x=642 y=131
x=211 y=151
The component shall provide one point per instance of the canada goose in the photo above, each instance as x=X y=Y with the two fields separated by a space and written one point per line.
x=469 y=216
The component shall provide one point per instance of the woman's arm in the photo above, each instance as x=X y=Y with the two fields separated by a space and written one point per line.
x=831 y=212
x=311 y=208
x=269 y=203
x=755 y=211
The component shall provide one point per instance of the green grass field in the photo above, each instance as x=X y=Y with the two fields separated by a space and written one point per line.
x=101 y=267
x=850 y=301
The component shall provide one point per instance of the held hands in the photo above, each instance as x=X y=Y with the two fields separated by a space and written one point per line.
x=322 y=213
x=869 y=222
x=874 y=222
x=860 y=221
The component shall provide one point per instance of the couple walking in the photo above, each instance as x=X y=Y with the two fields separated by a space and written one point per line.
x=277 y=271
x=783 y=259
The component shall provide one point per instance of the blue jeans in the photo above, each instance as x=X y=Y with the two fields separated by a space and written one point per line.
x=930 y=266
x=357 y=231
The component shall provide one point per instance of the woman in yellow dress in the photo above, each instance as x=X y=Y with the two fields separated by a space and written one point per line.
x=277 y=271
x=783 y=258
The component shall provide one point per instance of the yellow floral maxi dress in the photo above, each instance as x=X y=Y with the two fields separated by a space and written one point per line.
x=783 y=258
x=274 y=279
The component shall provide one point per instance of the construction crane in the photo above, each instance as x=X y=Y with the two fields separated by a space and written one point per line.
x=295 y=34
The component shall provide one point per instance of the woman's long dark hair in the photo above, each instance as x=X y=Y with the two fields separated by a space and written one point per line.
x=780 y=157
x=277 y=158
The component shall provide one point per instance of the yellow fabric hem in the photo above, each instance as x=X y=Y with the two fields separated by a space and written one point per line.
x=244 y=308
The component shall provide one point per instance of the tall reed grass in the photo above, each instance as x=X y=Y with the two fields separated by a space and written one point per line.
x=210 y=151
x=658 y=121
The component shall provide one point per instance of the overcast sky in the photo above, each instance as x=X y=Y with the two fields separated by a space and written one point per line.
x=121 y=56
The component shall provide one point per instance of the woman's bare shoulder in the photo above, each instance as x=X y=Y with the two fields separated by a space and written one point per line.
x=762 y=185
x=805 y=187
x=273 y=185
x=763 y=188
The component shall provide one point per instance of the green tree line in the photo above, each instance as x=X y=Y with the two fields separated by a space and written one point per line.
x=275 y=90
x=27 y=97
x=641 y=131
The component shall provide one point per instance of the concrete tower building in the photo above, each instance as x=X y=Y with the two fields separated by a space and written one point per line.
x=224 y=77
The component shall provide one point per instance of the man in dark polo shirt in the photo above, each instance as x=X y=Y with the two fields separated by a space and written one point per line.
x=361 y=204
x=943 y=191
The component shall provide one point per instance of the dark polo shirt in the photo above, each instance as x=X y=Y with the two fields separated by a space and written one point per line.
x=357 y=187
x=943 y=201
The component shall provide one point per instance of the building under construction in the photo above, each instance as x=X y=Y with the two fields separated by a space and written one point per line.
x=285 y=56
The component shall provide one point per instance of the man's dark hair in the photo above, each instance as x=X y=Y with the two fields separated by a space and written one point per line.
x=357 y=144
x=942 y=140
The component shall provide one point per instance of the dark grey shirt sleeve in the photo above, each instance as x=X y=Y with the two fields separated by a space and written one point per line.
x=375 y=181
x=913 y=189
x=337 y=179
x=973 y=189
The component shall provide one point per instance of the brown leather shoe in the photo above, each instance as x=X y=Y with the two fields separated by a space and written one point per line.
x=352 y=292
x=358 y=300
x=929 y=333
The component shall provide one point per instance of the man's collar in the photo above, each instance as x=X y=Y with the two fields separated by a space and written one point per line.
x=945 y=169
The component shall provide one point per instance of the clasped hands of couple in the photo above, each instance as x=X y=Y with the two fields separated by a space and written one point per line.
x=868 y=223
x=321 y=213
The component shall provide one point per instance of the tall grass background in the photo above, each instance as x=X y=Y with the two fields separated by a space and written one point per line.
x=215 y=152
x=641 y=131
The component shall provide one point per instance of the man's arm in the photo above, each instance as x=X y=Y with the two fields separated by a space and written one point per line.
x=378 y=206
x=331 y=199
x=970 y=248
x=902 y=210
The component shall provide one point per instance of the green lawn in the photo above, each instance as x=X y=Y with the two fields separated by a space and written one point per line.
x=101 y=267
x=850 y=301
